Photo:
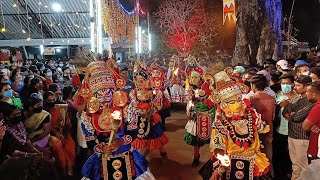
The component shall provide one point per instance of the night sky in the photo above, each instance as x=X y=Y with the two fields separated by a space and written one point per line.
x=306 y=17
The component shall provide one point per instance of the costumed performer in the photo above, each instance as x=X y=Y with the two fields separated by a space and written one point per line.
x=174 y=79
x=142 y=114
x=200 y=109
x=103 y=126
x=162 y=99
x=235 y=144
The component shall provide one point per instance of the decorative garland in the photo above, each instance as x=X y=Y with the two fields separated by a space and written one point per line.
x=243 y=140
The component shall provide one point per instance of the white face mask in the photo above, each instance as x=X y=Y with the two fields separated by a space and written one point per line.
x=306 y=73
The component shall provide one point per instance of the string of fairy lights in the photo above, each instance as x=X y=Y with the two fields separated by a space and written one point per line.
x=65 y=28
x=37 y=19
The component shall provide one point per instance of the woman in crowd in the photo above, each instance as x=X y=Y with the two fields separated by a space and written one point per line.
x=16 y=141
x=36 y=86
x=48 y=75
x=6 y=95
x=55 y=88
x=4 y=79
x=61 y=141
x=68 y=93
x=16 y=80
x=38 y=124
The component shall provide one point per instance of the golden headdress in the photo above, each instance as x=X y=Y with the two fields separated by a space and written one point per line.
x=222 y=85
x=97 y=76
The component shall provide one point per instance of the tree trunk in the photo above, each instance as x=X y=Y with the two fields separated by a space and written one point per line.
x=258 y=31
x=248 y=31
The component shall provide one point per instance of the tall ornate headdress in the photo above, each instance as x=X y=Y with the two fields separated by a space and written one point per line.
x=144 y=88
x=157 y=75
x=192 y=66
x=97 y=76
x=223 y=86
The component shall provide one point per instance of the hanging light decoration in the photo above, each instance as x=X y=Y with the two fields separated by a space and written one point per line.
x=118 y=21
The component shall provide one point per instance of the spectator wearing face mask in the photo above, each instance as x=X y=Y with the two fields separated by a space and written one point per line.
x=6 y=95
x=61 y=64
x=302 y=70
x=40 y=67
x=48 y=75
x=4 y=79
x=315 y=74
x=281 y=159
x=16 y=142
x=38 y=124
x=57 y=92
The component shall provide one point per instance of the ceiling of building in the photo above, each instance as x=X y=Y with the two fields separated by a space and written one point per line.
x=37 y=19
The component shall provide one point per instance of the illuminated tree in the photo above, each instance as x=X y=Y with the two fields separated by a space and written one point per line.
x=184 y=24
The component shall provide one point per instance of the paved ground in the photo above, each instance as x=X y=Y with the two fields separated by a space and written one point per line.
x=180 y=155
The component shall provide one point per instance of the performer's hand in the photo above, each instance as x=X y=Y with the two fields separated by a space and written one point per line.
x=216 y=175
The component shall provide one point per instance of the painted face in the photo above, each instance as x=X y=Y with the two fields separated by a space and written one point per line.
x=141 y=82
x=104 y=95
x=194 y=78
x=157 y=78
x=233 y=106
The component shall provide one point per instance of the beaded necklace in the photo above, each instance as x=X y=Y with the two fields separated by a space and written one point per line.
x=242 y=137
